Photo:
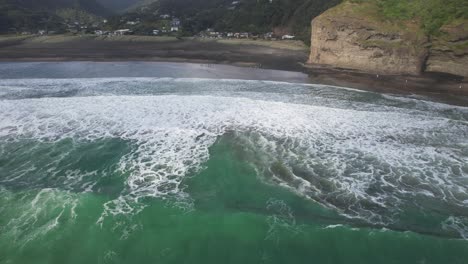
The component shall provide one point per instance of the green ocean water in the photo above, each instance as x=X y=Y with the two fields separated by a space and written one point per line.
x=167 y=170
x=235 y=218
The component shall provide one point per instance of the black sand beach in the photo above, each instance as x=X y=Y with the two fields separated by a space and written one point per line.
x=277 y=55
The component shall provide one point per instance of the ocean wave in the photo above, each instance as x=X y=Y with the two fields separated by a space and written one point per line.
x=365 y=160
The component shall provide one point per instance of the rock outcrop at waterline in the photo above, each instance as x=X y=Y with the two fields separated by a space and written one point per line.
x=352 y=36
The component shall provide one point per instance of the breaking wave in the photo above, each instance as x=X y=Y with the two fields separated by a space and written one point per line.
x=368 y=156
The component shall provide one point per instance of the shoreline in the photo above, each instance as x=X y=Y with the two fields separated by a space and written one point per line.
x=250 y=54
x=438 y=88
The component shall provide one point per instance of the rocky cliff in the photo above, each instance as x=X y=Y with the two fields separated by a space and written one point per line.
x=354 y=36
x=449 y=50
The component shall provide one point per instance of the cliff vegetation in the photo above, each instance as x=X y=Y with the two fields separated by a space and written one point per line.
x=431 y=14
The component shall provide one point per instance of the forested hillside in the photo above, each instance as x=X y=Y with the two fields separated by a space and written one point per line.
x=119 y=6
x=91 y=6
x=255 y=16
x=18 y=15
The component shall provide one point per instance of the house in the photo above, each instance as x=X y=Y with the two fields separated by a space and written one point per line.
x=101 y=32
x=175 y=22
x=216 y=34
x=288 y=37
x=165 y=16
x=122 y=32
x=268 y=35
x=156 y=32
x=244 y=35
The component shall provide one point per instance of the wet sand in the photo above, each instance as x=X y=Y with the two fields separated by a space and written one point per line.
x=447 y=89
x=172 y=50
x=441 y=88
x=143 y=69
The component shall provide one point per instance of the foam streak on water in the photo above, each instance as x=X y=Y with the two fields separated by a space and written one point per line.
x=367 y=156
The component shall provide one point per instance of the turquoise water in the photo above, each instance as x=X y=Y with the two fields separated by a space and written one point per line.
x=167 y=170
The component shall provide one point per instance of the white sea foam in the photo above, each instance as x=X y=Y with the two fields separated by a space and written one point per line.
x=42 y=215
x=281 y=217
x=364 y=162
x=333 y=226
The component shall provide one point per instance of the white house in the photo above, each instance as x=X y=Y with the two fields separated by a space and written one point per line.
x=175 y=22
x=175 y=25
x=244 y=35
x=288 y=37
x=122 y=32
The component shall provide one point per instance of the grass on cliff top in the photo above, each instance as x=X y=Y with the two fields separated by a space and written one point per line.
x=369 y=11
x=432 y=14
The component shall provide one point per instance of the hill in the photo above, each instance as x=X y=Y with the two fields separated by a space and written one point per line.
x=255 y=16
x=119 y=6
x=91 y=6
x=31 y=15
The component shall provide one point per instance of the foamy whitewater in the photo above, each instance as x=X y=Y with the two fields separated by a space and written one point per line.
x=367 y=156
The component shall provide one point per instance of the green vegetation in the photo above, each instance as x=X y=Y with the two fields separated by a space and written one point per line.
x=254 y=16
x=432 y=14
x=49 y=15
x=77 y=15
x=14 y=18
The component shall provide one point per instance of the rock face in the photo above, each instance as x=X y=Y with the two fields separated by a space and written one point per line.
x=348 y=37
x=353 y=36
x=449 y=51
